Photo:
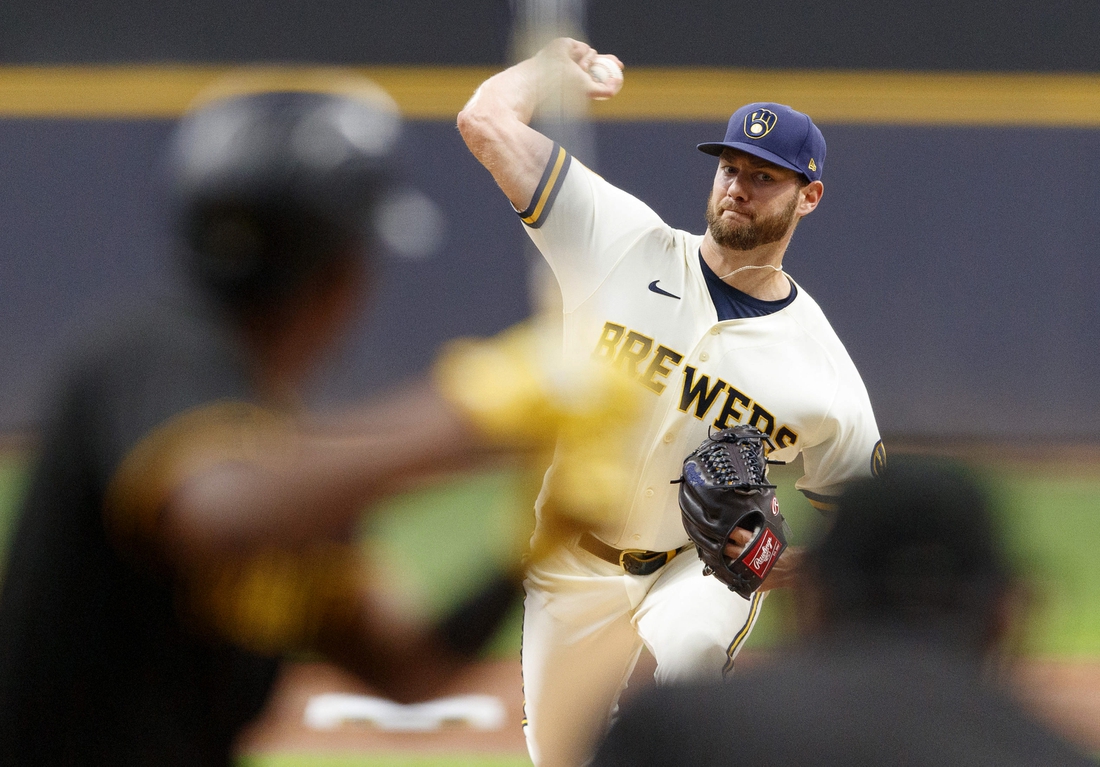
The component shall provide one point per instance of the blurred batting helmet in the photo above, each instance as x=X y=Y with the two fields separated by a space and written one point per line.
x=270 y=185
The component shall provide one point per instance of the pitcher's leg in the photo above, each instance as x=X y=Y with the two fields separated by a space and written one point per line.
x=693 y=624
x=579 y=647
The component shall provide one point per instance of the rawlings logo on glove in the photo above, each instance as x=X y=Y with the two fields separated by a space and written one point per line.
x=724 y=485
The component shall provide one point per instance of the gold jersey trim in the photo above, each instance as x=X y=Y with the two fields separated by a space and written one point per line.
x=742 y=635
x=548 y=187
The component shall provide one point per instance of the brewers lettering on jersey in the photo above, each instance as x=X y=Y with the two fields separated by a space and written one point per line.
x=717 y=335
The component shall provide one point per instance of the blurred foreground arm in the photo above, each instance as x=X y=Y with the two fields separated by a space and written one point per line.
x=579 y=415
x=306 y=480
x=251 y=515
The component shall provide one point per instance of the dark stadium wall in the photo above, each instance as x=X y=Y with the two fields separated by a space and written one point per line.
x=959 y=266
x=958 y=262
x=984 y=35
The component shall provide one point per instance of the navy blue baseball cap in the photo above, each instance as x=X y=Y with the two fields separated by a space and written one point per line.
x=776 y=133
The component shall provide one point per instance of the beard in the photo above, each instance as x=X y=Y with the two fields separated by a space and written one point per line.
x=759 y=230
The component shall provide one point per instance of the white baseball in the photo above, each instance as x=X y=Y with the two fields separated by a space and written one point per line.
x=605 y=70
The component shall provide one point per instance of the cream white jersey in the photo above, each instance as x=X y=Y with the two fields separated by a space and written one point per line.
x=634 y=296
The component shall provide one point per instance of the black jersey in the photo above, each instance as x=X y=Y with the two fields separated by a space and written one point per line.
x=96 y=666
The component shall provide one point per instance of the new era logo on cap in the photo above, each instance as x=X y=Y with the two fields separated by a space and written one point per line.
x=776 y=133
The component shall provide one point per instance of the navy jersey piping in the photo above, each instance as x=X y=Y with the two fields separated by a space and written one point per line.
x=549 y=185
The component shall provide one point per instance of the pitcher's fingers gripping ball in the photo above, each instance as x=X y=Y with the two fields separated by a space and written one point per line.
x=560 y=79
x=606 y=71
x=724 y=486
x=519 y=392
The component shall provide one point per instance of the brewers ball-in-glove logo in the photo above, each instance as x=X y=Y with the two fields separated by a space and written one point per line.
x=724 y=485
x=760 y=123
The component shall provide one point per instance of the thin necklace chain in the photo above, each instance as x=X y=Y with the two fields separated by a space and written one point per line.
x=753 y=266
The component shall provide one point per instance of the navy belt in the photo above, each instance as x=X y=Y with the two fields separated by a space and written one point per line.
x=633 y=561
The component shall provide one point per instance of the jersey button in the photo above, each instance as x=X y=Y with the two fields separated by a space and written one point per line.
x=714 y=331
x=704 y=356
x=649 y=492
x=669 y=437
x=636 y=537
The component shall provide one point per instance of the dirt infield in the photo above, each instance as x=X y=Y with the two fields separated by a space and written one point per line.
x=1064 y=694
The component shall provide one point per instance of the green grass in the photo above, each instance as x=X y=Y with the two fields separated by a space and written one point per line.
x=436 y=545
x=13 y=482
x=443 y=537
x=1053 y=528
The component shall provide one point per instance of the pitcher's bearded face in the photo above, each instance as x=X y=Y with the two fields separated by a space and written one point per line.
x=733 y=227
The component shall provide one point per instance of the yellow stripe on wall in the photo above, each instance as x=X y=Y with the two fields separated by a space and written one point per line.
x=136 y=92
x=438 y=93
x=898 y=98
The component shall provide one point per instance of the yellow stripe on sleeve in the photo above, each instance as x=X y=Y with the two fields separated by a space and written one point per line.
x=821 y=505
x=735 y=645
x=548 y=188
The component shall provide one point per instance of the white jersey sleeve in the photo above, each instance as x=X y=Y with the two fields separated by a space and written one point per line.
x=846 y=445
x=850 y=448
x=583 y=225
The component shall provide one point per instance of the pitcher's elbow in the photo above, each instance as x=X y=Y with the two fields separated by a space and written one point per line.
x=474 y=127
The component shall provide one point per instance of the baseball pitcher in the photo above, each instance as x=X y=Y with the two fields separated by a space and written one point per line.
x=716 y=335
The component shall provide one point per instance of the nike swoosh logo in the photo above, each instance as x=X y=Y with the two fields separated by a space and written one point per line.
x=659 y=291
